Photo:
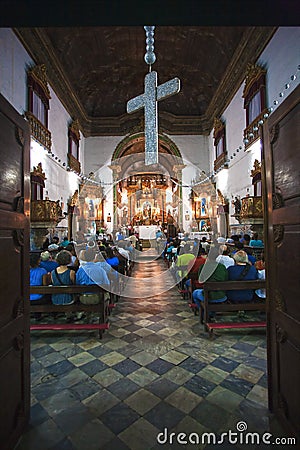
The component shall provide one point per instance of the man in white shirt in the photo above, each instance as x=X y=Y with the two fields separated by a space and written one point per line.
x=122 y=251
x=224 y=257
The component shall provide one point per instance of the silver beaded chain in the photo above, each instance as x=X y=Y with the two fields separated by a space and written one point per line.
x=149 y=57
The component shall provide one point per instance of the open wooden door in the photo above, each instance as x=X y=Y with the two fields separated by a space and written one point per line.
x=282 y=207
x=14 y=275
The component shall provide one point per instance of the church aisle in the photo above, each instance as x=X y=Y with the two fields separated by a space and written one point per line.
x=154 y=369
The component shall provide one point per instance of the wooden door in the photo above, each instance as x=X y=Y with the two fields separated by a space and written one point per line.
x=14 y=276
x=282 y=233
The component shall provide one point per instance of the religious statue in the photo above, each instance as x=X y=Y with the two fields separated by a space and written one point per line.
x=237 y=206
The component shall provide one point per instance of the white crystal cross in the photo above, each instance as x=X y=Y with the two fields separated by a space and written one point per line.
x=148 y=101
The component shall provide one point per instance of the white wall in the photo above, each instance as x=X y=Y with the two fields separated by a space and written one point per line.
x=194 y=150
x=58 y=121
x=99 y=150
x=281 y=59
x=13 y=64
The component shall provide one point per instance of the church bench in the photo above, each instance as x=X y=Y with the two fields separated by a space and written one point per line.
x=227 y=307
x=102 y=309
x=177 y=273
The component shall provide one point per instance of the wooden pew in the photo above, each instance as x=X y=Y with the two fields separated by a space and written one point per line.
x=207 y=307
x=102 y=308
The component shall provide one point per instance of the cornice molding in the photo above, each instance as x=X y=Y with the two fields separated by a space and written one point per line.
x=38 y=46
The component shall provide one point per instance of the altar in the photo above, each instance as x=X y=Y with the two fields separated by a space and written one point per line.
x=147 y=232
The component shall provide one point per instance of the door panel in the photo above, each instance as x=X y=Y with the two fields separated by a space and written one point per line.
x=282 y=225
x=14 y=275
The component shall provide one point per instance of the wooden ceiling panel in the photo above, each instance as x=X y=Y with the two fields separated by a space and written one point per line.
x=96 y=70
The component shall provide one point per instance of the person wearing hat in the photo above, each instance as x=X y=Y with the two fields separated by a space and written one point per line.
x=47 y=261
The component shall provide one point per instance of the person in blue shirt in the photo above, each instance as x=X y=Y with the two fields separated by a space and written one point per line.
x=245 y=239
x=91 y=273
x=47 y=261
x=158 y=234
x=119 y=235
x=112 y=259
x=100 y=260
x=241 y=271
x=255 y=242
x=37 y=278
x=63 y=276
x=65 y=242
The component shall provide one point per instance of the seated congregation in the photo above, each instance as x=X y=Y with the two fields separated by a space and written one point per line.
x=220 y=266
x=195 y=265
x=58 y=276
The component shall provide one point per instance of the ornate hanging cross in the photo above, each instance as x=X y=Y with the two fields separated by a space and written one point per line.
x=148 y=101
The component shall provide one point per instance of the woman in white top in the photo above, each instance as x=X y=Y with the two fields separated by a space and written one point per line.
x=224 y=257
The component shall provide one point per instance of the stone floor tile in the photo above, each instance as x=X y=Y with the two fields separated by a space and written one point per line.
x=178 y=375
x=110 y=359
x=100 y=402
x=141 y=435
x=119 y=417
x=143 y=358
x=183 y=399
x=81 y=358
x=164 y=415
x=59 y=402
x=116 y=344
x=126 y=366
x=143 y=376
x=160 y=366
x=107 y=377
x=162 y=387
x=258 y=394
x=123 y=390
x=174 y=357
x=248 y=373
x=85 y=389
x=224 y=398
x=142 y=401
x=73 y=377
x=213 y=374
x=237 y=385
x=92 y=436
x=73 y=418
x=44 y=436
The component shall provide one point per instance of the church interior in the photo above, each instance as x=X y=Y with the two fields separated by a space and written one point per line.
x=219 y=128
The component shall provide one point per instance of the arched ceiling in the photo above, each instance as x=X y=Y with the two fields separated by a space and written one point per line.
x=96 y=70
x=129 y=157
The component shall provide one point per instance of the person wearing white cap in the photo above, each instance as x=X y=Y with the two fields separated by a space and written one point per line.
x=47 y=261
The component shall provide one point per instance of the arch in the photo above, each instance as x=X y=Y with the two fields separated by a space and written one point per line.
x=128 y=161
x=136 y=142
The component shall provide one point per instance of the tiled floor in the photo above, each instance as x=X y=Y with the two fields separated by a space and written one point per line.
x=155 y=369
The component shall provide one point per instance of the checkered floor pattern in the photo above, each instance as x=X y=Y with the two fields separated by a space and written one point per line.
x=155 y=371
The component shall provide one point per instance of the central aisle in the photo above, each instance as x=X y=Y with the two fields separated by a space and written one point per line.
x=154 y=369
